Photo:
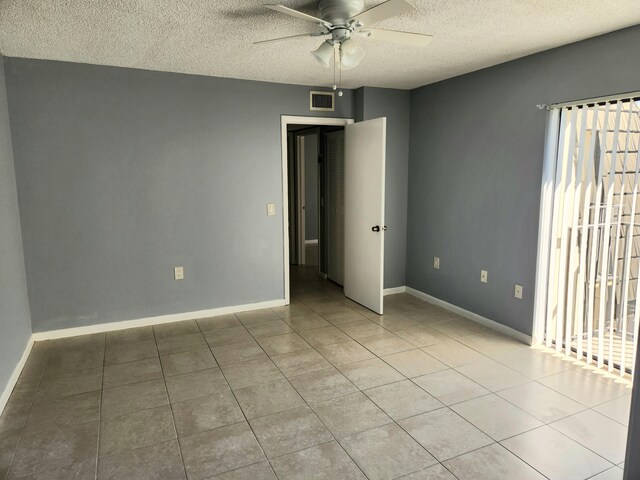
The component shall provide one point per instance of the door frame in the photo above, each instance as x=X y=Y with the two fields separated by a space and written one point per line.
x=286 y=120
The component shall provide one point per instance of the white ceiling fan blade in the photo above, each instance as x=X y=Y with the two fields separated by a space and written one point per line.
x=406 y=38
x=385 y=10
x=296 y=13
x=290 y=36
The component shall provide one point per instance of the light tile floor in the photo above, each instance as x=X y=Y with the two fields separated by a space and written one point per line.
x=322 y=388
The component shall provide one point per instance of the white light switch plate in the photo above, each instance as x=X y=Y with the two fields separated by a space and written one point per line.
x=436 y=263
x=271 y=209
x=178 y=273
x=518 y=292
x=484 y=276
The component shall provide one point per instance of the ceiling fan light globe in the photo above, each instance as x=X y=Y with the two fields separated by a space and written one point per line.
x=324 y=53
x=350 y=54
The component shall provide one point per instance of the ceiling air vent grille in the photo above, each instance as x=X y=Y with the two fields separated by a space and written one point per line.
x=322 y=101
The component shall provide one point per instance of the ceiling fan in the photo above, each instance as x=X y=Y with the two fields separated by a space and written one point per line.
x=344 y=19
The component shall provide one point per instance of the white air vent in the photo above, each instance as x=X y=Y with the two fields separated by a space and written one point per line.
x=322 y=101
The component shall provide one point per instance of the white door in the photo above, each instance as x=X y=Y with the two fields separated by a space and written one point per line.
x=364 y=152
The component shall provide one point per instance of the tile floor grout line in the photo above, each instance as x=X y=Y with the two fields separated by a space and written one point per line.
x=582 y=445
x=593 y=409
x=494 y=391
x=523 y=460
x=585 y=407
x=416 y=440
x=497 y=393
x=599 y=473
x=507 y=450
x=610 y=400
x=359 y=361
x=544 y=423
x=173 y=417
x=400 y=477
x=104 y=356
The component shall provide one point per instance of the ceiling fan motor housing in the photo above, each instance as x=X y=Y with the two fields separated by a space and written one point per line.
x=338 y=12
x=339 y=35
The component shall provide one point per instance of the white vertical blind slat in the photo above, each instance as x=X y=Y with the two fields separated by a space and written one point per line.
x=595 y=233
x=572 y=254
x=616 y=238
x=563 y=227
x=584 y=237
x=634 y=143
x=606 y=236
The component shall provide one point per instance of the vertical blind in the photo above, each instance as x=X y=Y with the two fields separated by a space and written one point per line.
x=592 y=309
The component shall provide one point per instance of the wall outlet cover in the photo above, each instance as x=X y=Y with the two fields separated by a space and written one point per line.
x=436 y=263
x=484 y=276
x=271 y=209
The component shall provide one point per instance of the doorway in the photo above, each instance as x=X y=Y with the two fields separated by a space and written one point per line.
x=302 y=137
x=305 y=197
x=362 y=148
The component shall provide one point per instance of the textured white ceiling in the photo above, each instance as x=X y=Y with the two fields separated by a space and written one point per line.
x=214 y=37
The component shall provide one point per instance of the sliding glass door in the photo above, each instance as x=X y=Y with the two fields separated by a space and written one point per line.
x=591 y=307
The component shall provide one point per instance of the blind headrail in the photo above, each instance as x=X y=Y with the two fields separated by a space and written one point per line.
x=634 y=96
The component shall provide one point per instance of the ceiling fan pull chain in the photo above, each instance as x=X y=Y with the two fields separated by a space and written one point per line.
x=335 y=85
x=340 y=71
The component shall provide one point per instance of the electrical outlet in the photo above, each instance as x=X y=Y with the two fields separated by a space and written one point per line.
x=484 y=276
x=271 y=209
x=436 y=263
x=178 y=273
x=518 y=292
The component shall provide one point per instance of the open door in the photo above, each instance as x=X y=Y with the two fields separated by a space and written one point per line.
x=364 y=151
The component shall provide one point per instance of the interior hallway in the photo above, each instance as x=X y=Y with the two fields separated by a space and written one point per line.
x=322 y=388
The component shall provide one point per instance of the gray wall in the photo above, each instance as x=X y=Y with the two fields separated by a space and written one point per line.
x=311 y=187
x=15 y=324
x=476 y=164
x=395 y=105
x=123 y=174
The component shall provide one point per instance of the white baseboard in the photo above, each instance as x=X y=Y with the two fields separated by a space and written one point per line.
x=13 y=379
x=144 y=322
x=492 y=324
x=394 y=290
x=311 y=242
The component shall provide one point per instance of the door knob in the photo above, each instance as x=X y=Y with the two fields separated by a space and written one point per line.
x=377 y=228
